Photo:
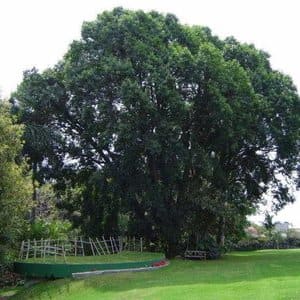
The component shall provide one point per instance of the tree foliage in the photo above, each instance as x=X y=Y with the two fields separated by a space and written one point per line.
x=14 y=184
x=185 y=131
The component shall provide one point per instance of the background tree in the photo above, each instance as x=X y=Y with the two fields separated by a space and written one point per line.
x=184 y=130
x=15 y=185
x=269 y=224
x=41 y=140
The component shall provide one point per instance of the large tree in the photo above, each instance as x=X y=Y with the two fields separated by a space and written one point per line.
x=184 y=130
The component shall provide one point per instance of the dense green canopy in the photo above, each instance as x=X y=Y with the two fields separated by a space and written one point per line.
x=180 y=130
x=15 y=186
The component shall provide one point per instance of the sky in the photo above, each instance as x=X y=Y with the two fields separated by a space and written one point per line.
x=37 y=33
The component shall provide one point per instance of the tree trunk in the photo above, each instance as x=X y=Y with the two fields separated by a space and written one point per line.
x=171 y=249
x=34 y=194
x=221 y=233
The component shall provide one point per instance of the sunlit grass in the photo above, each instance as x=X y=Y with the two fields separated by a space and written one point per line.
x=266 y=275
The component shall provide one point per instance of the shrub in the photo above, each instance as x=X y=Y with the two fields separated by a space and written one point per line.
x=211 y=247
x=53 y=229
x=274 y=243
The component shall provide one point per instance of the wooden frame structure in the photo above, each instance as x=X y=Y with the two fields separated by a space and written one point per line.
x=78 y=246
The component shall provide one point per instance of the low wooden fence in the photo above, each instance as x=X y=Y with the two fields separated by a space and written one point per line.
x=78 y=247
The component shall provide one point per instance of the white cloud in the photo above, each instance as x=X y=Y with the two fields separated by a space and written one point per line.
x=289 y=214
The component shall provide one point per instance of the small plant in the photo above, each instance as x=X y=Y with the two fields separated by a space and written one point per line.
x=53 y=229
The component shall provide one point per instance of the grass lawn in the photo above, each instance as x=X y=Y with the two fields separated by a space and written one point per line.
x=9 y=291
x=268 y=274
x=125 y=256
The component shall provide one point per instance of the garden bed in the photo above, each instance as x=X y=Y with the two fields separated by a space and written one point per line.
x=37 y=267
